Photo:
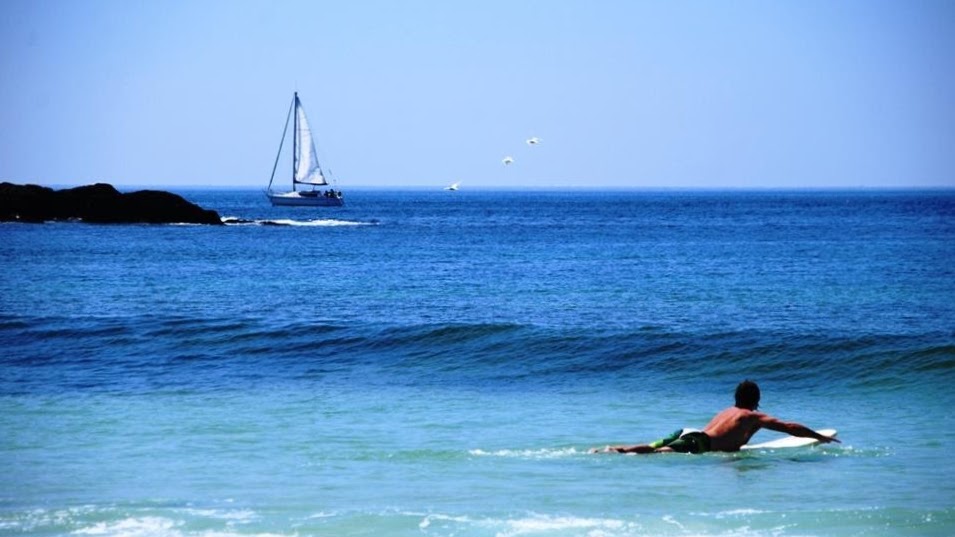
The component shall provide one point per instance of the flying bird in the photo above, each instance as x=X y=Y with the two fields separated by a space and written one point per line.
x=507 y=161
x=533 y=141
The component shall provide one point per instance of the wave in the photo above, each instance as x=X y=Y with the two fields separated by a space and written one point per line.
x=288 y=222
x=482 y=355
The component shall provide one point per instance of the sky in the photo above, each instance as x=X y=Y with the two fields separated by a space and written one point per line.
x=623 y=95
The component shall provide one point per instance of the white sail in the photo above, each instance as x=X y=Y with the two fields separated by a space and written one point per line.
x=307 y=169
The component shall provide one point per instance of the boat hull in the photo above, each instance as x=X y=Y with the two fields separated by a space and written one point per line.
x=304 y=199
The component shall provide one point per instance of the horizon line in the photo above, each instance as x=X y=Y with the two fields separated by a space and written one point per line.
x=509 y=188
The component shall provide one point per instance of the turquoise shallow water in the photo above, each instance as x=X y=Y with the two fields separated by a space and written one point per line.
x=438 y=364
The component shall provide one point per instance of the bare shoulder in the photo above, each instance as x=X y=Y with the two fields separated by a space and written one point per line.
x=741 y=417
x=739 y=414
x=730 y=419
x=752 y=417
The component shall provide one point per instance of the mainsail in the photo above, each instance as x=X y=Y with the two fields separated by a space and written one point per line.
x=306 y=167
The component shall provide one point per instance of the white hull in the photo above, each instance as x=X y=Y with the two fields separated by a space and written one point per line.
x=304 y=199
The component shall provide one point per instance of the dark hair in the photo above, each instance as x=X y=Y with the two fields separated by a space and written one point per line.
x=747 y=395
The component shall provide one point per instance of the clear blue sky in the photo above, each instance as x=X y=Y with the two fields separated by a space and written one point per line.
x=628 y=94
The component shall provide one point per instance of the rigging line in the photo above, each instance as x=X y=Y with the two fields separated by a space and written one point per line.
x=284 y=132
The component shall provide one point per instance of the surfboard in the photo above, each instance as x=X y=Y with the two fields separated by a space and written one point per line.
x=790 y=441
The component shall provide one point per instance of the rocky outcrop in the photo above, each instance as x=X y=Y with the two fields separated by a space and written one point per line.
x=100 y=204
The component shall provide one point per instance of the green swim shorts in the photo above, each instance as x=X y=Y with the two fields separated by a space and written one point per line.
x=684 y=441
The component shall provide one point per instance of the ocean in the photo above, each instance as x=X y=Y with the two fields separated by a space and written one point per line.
x=427 y=364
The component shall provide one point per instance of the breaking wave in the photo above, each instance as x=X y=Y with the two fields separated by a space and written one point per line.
x=288 y=222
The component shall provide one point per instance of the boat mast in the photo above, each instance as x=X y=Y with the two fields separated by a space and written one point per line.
x=295 y=140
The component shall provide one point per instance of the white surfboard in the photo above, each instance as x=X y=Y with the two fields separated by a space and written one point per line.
x=790 y=441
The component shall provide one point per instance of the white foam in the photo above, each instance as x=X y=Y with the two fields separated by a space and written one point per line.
x=319 y=222
x=241 y=515
x=549 y=524
x=322 y=514
x=546 y=453
x=134 y=527
x=670 y=520
x=328 y=222
x=228 y=534
x=152 y=526
x=426 y=521
x=739 y=512
x=534 y=524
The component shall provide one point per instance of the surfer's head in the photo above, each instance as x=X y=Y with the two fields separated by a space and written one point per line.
x=747 y=395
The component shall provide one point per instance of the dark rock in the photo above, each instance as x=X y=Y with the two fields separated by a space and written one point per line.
x=99 y=203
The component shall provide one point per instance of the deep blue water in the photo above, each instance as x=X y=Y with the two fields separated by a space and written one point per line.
x=437 y=363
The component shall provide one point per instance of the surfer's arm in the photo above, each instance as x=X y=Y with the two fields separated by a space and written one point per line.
x=793 y=429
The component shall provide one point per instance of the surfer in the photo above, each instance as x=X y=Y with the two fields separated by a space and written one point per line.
x=729 y=430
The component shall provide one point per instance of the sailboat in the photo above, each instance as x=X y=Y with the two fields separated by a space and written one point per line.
x=306 y=169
